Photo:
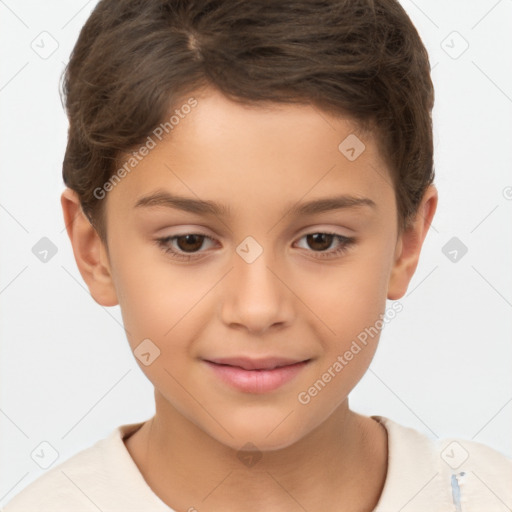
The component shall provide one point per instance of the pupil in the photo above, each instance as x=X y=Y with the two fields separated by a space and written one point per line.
x=190 y=240
x=321 y=238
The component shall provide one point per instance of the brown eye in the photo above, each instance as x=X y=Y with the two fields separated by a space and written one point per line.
x=320 y=244
x=189 y=243
x=184 y=247
x=319 y=241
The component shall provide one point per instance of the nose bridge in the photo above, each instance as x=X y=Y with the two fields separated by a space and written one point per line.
x=254 y=295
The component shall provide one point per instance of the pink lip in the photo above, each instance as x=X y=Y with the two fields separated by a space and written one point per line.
x=257 y=380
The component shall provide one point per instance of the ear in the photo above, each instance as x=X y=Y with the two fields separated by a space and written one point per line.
x=90 y=253
x=409 y=245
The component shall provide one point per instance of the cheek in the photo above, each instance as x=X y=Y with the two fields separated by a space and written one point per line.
x=168 y=305
x=151 y=295
x=347 y=298
x=350 y=303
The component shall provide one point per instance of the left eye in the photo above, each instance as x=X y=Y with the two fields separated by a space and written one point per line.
x=189 y=244
x=322 y=241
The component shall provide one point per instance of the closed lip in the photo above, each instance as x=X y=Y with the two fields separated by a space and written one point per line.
x=247 y=363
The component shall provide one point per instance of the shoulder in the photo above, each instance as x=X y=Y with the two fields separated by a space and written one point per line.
x=440 y=474
x=85 y=482
x=63 y=486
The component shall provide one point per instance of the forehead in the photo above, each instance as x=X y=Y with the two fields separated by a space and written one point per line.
x=249 y=158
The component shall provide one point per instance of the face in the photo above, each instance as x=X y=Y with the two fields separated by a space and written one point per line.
x=288 y=262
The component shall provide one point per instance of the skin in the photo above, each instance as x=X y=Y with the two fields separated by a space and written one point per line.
x=288 y=302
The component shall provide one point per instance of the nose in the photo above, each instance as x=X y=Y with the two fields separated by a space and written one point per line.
x=255 y=296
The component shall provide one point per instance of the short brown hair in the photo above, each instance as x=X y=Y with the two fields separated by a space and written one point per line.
x=135 y=60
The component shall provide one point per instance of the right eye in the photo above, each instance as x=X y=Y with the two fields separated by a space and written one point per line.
x=188 y=245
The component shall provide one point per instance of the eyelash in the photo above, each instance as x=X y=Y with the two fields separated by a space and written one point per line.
x=345 y=243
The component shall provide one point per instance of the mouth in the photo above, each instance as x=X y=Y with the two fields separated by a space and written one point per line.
x=247 y=363
x=256 y=376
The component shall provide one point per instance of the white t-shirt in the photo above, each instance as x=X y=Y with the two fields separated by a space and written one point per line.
x=424 y=475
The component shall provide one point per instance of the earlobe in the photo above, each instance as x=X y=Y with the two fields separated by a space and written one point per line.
x=89 y=251
x=409 y=245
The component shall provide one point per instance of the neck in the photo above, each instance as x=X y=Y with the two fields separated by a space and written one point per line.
x=188 y=468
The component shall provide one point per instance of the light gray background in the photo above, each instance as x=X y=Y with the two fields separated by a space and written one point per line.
x=444 y=364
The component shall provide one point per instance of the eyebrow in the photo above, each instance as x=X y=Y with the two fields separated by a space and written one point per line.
x=203 y=207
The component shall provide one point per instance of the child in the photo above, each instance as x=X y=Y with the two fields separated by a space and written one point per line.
x=260 y=131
